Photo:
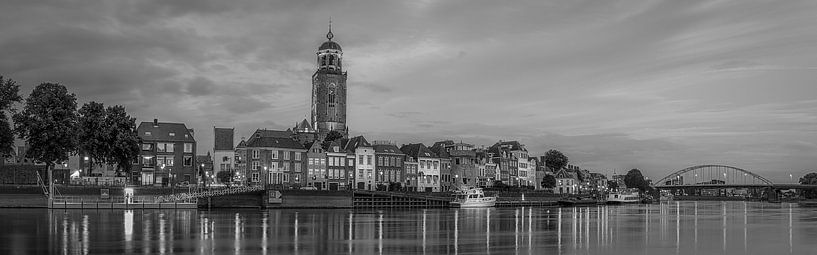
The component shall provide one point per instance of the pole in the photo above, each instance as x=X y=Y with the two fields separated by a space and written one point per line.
x=48 y=169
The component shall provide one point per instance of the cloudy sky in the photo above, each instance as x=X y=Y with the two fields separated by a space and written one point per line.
x=654 y=85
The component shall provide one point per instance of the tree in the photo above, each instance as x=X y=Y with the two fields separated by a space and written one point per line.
x=634 y=179
x=92 y=134
x=122 y=138
x=549 y=181
x=48 y=122
x=809 y=179
x=612 y=184
x=555 y=160
x=225 y=177
x=330 y=137
x=9 y=94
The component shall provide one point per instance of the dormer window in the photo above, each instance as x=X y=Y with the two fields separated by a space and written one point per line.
x=171 y=134
x=147 y=133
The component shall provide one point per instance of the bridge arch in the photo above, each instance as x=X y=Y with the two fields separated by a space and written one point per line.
x=679 y=173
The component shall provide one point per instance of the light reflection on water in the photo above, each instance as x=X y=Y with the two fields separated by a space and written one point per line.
x=670 y=228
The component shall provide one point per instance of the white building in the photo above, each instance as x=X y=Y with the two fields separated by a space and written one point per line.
x=566 y=183
x=223 y=150
x=428 y=170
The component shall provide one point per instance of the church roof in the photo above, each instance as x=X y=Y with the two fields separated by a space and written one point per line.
x=330 y=45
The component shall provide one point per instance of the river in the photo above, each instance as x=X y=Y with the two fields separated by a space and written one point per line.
x=671 y=228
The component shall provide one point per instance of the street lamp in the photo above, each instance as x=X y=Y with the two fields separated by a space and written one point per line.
x=266 y=176
x=791 y=178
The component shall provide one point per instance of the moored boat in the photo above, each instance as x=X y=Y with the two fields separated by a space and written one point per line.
x=807 y=203
x=472 y=197
x=623 y=197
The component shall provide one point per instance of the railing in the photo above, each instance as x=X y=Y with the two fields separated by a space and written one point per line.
x=208 y=193
x=114 y=199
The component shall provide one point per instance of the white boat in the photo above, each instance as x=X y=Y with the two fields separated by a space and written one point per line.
x=472 y=197
x=623 y=197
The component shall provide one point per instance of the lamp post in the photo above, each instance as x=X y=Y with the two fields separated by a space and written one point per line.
x=266 y=177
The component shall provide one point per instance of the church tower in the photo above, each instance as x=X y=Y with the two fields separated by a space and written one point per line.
x=329 y=89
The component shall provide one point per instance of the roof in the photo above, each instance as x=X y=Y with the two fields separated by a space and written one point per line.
x=508 y=145
x=275 y=142
x=563 y=174
x=223 y=139
x=272 y=133
x=386 y=148
x=439 y=148
x=330 y=45
x=161 y=132
x=417 y=150
x=304 y=126
x=355 y=142
x=339 y=144
x=242 y=144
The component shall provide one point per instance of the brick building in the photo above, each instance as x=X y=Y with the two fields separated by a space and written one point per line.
x=167 y=154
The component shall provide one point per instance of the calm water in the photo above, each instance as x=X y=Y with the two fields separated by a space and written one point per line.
x=674 y=228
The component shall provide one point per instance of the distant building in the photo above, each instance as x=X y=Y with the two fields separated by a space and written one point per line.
x=428 y=171
x=364 y=166
x=388 y=164
x=277 y=161
x=410 y=170
x=329 y=89
x=223 y=150
x=204 y=163
x=167 y=154
x=512 y=158
x=341 y=166
x=316 y=173
x=566 y=182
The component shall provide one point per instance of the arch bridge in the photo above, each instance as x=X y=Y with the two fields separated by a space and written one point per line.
x=716 y=176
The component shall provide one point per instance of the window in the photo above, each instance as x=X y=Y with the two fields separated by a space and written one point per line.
x=164 y=147
x=297 y=156
x=351 y=162
x=254 y=177
x=286 y=155
x=147 y=133
x=286 y=177
x=360 y=160
x=255 y=165
x=369 y=159
x=171 y=134
x=147 y=146
x=380 y=161
x=285 y=167
x=341 y=161
x=436 y=164
x=188 y=161
x=164 y=160
x=399 y=162
x=255 y=154
x=188 y=147
x=148 y=161
x=274 y=154
x=323 y=162
x=298 y=168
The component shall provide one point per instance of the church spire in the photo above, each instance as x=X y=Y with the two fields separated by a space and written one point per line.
x=330 y=35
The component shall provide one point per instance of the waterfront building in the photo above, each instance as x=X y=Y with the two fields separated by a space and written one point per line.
x=275 y=160
x=223 y=150
x=316 y=173
x=167 y=154
x=341 y=166
x=329 y=89
x=364 y=166
x=509 y=156
x=462 y=158
x=534 y=176
x=566 y=182
x=410 y=167
x=388 y=164
x=428 y=171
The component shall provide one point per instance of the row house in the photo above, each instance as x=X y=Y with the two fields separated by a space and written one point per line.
x=488 y=171
x=317 y=166
x=410 y=168
x=533 y=177
x=223 y=150
x=428 y=170
x=446 y=180
x=364 y=166
x=507 y=155
x=167 y=154
x=566 y=182
x=388 y=164
x=274 y=160
x=340 y=166
x=462 y=159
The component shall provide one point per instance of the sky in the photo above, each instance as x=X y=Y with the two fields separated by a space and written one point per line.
x=614 y=85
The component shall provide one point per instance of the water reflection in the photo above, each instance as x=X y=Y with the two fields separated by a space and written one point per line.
x=677 y=227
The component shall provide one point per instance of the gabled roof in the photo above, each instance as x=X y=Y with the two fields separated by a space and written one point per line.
x=417 y=150
x=160 y=131
x=223 y=139
x=508 y=146
x=304 y=126
x=387 y=148
x=355 y=142
x=275 y=142
x=564 y=174
x=272 y=133
x=242 y=144
x=439 y=148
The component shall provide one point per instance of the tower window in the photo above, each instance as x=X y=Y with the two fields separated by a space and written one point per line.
x=324 y=60
x=331 y=59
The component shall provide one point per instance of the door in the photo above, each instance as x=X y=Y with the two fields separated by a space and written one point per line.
x=333 y=186
x=361 y=185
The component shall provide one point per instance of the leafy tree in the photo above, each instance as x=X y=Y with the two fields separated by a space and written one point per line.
x=122 y=138
x=612 y=184
x=330 y=137
x=555 y=160
x=225 y=177
x=9 y=94
x=48 y=122
x=92 y=134
x=809 y=179
x=634 y=179
x=549 y=181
